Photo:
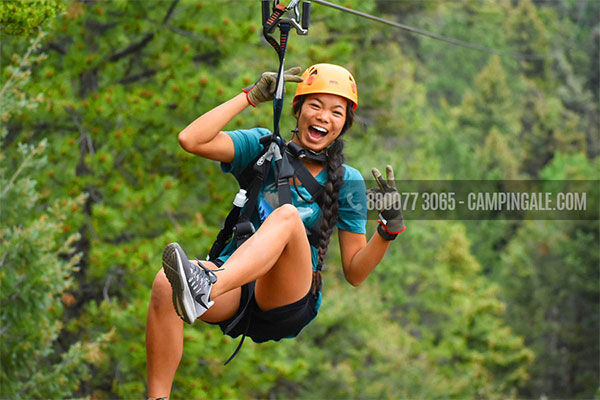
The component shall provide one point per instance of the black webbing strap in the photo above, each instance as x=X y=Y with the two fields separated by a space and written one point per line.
x=245 y=179
x=287 y=166
x=225 y=233
x=244 y=227
x=283 y=168
x=270 y=24
x=238 y=318
x=283 y=173
x=314 y=188
x=284 y=30
x=261 y=170
x=252 y=179
x=279 y=88
x=308 y=181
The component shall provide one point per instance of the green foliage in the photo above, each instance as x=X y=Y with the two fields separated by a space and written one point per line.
x=457 y=309
x=37 y=266
x=347 y=361
x=13 y=99
x=450 y=69
x=38 y=257
x=529 y=37
x=24 y=18
x=454 y=312
x=550 y=271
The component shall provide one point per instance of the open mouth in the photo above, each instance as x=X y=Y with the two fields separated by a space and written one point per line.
x=316 y=132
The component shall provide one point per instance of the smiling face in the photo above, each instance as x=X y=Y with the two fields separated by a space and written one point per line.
x=320 y=120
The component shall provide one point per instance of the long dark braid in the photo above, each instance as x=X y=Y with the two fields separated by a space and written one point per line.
x=335 y=179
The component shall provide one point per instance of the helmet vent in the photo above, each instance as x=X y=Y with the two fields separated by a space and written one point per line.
x=312 y=76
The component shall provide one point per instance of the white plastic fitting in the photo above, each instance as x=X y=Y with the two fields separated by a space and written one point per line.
x=240 y=198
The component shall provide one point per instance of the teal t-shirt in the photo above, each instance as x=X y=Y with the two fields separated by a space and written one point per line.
x=352 y=211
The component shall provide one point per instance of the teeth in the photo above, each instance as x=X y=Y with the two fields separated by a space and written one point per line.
x=318 y=128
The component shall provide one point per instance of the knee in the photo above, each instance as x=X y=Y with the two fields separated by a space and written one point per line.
x=161 y=292
x=287 y=213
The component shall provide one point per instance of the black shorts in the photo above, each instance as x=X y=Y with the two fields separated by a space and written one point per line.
x=275 y=324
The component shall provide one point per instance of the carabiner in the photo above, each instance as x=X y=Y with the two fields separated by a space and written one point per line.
x=300 y=21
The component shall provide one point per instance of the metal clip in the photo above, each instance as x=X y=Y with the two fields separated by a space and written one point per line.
x=295 y=21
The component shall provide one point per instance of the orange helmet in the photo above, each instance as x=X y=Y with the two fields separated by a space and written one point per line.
x=328 y=78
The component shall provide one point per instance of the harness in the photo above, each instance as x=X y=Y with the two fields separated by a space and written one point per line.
x=285 y=25
x=238 y=224
x=286 y=156
x=282 y=160
x=287 y=165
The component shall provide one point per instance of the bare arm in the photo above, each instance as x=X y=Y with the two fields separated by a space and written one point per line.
x=204 y=136
x=359 y=258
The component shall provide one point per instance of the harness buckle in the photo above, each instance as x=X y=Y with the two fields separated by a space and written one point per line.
x=295 y=150
x=261 y=160
x=242 y=231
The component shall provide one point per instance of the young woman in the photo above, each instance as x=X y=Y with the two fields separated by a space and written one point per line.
x=268 y=288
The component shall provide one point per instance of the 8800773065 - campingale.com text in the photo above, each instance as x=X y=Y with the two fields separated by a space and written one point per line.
x=472 y=200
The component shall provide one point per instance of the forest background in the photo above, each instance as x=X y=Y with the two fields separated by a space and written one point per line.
x=94 y=185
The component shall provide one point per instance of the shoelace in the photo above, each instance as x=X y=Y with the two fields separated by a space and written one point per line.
x=209 y=272
x=197 y=280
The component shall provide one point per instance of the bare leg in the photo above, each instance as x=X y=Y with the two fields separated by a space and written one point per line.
x=164 y=333
x=164 y=338
x=277 y=256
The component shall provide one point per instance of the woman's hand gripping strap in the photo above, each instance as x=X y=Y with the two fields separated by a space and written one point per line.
x=391 y=220
x=264 y=88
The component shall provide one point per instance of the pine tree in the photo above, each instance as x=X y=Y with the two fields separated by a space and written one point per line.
x=121 y=79
x=36 y=264
x=36 y=270
x=549 y=274
x=38 y=258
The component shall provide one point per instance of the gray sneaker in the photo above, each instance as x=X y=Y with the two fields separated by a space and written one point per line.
x=191 y=284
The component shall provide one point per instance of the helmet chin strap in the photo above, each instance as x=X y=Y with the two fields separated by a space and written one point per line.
x=319 y=156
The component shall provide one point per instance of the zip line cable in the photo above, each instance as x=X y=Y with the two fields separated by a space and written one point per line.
x=432 y=35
